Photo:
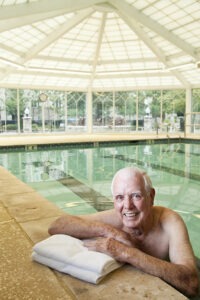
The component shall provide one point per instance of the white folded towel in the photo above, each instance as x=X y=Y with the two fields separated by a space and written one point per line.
x=68 y=255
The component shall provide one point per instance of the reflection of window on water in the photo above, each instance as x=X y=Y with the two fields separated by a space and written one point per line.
x=51 y=173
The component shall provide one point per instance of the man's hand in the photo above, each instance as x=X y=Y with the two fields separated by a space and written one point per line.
x=119 y=235
x=108 y=246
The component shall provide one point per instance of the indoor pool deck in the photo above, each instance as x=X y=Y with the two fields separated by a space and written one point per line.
x=30 y=140
x=66 y=138
x=24 y=220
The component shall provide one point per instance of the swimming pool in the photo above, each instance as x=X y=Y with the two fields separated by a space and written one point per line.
x=77 y=178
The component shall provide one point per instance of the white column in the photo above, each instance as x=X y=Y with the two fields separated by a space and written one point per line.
x=188 y=109
x=18 y=112
x=89 y=111
x=137 y=109
x=114 y=112
x=43 y=117
x=65 y=110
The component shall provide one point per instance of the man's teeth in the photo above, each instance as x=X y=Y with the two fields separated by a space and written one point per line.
x=130 y=214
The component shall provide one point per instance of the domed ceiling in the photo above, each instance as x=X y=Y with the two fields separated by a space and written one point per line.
x=99 y=45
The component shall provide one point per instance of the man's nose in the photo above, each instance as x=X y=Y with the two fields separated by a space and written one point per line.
x=128 y=203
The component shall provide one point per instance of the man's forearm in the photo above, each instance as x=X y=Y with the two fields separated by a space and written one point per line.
x=183 y=278
x=82 y=228
x=76 y=227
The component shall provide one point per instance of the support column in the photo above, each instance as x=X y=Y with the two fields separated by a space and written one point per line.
x=89 y=111
x=43 y=117
x=114 y=112
x=65 y=109
x=18 y=113
x=188 y=110
x=137 y=109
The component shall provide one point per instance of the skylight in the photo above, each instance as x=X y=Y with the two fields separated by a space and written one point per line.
x=99 y=44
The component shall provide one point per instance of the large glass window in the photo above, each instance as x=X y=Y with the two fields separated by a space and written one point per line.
x=149 y=107
x=114 y=111
x=2 y=109
x=76 y=111
x=195 y=117
x=125 y=111
x=9 y=113
x=103 y=111
x=25 y=111
x=196 y=100
x=55 y=111
x=173 y=108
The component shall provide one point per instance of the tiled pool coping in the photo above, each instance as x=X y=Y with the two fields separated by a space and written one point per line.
x=31 y=140
x=24 y=219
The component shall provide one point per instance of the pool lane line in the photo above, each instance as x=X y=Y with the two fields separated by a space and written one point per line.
x=158 y=167
x=92 y=197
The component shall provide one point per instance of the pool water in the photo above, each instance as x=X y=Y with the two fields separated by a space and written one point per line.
x=77 y=178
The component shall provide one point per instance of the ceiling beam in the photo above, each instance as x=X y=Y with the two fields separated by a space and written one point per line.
x=44 y=6
x=13 y=16
x=13 y=23
x=134 y=25
x=98 y=47
x=86 y=75
x=131 y=12
x=9 y=49
x=100 y=62
x=56 y=34
x=49 y=39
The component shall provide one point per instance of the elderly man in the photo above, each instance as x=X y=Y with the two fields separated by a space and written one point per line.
x=153 y=239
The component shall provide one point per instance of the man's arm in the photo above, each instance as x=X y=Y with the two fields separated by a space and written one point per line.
x=88 y=227
x=180 y=272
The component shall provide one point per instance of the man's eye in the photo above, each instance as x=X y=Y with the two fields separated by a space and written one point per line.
x=119 y=198
x=136 y=196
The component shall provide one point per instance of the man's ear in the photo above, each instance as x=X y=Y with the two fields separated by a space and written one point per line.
x=152 y=194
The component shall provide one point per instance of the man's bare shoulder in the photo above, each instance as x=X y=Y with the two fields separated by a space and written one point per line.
x=167 y=217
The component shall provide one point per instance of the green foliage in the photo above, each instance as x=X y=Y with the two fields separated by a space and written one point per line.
x=196 y=100
x=174 y=102
x=11 y=103
x=35 y=127
x=11 y=127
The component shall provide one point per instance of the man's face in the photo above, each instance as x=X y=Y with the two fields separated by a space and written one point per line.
x=130 y=200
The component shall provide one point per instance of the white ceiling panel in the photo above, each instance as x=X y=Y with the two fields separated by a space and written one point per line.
x=93 y=44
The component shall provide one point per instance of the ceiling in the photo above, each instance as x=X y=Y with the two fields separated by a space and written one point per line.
x=99 y=45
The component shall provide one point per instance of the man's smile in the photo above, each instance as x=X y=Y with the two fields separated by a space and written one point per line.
x=130 y=214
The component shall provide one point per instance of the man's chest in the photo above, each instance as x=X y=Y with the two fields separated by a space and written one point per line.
x=155 y=244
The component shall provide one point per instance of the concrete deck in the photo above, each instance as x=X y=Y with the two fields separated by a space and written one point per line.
x=65 y=138
x=24 y=220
